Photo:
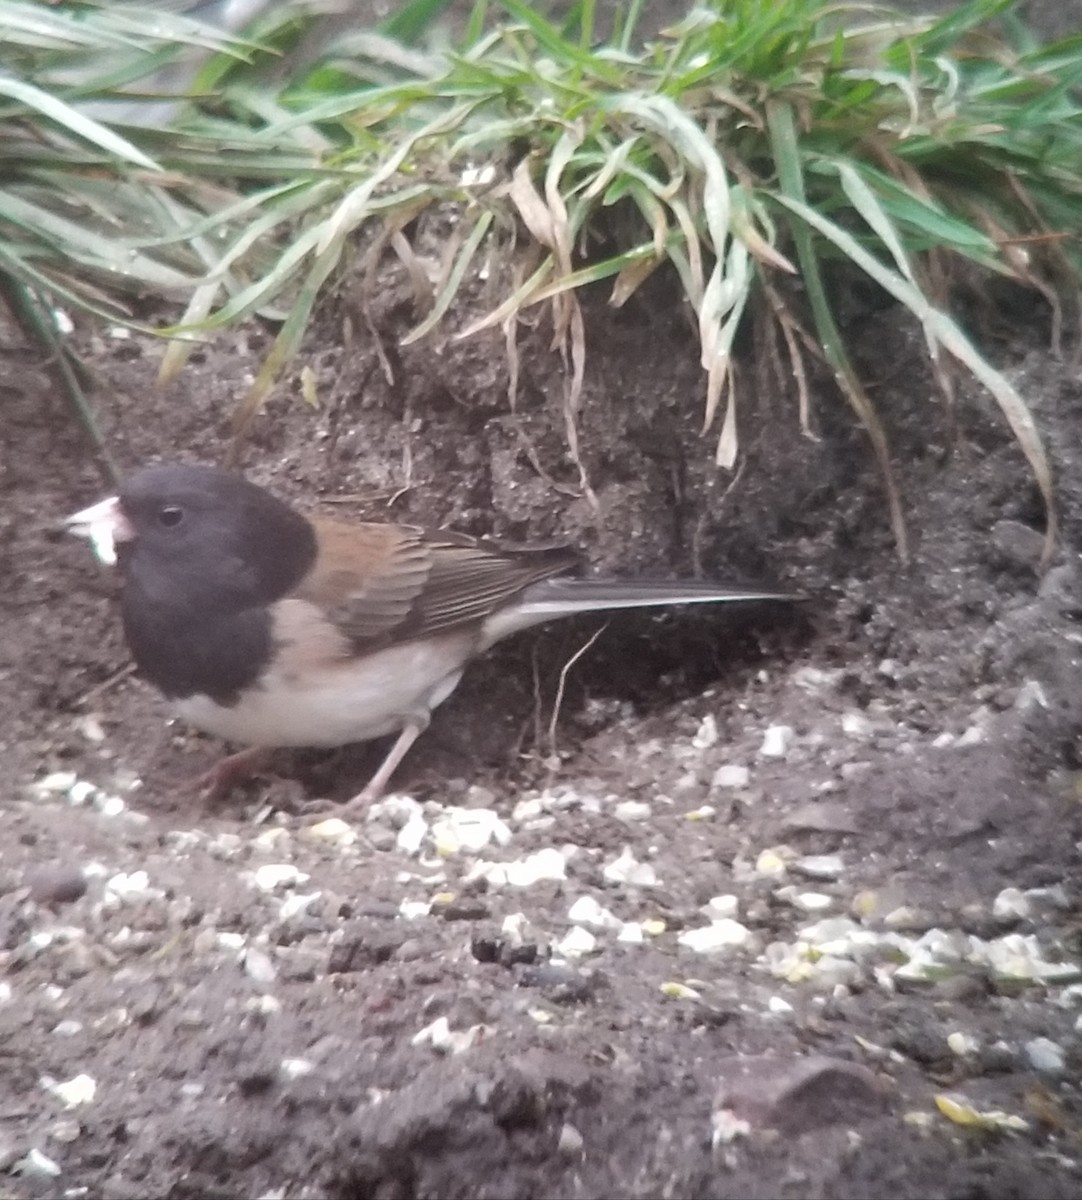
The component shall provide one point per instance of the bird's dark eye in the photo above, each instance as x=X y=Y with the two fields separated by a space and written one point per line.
x=170 y=516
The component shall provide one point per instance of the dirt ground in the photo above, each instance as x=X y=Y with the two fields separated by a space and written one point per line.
x=764 y=891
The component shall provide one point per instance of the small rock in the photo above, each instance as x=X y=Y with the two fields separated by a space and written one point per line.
x=773 y=862
x=627 y=869
x=364 y=945
x=56 y=883
x=819 y=866
x=271 y=876
x=255 y=1079
x=964 y=1045
x=570 y=1143
x=922 y=1043
x=296 y=905
x=469 y=830
x=1017 y=546
x=724 y=934
x=560 y=984
x=811 y=902
x=333 y=830
x=35 y=1164
x=794 y=1095
x=545 y=865
x=65 y=1132
x=856 y=724
x=777 y=740
x=824 y=816
x=445 y=1040
x=411 y=836
x=720 y=907
x=974 y=735
x=258 y=966
x=587 y=911
x=1030 y=696
x=576 y=942
x=295 y=1068
x=632 y=810
x=71 y=1092
x=1011 y=905
x=731 y=776
x=125 y=888
x=1045 y=1056
x=465 y=909
x=707 y=733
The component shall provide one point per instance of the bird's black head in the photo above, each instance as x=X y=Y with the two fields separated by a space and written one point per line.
x=199 y=538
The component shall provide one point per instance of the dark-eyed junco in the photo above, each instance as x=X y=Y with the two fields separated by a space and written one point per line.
x=269 y=628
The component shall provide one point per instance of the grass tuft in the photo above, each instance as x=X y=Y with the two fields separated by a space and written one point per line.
x=746 y=148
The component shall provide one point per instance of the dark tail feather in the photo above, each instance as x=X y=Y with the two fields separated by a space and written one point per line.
x=563 y=597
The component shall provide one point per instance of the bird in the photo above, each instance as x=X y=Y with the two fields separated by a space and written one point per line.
x=270 y=628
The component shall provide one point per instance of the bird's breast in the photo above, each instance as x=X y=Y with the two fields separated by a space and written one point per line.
x=333 y=704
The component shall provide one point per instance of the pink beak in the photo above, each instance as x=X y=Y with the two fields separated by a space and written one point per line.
x=104 y=524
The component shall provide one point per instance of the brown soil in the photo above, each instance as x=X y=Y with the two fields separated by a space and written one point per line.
x=584 y=1077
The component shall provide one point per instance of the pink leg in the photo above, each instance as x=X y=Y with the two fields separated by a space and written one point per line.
x=395 y=755
x=224 y=776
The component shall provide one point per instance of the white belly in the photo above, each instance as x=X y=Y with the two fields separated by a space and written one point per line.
x=340 y=703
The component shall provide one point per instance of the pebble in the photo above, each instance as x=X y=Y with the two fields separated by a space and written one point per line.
x=71 y=1092
x=333 y=830
x=468 y=829
x=772 y=862
x=546 y=864
x=56 y=883
x=296 y=1068
x=964 y=1045
x=411 y=836
x=271 y=876
x=731 y=776
x=1046 y=1056
x=126 y=887
x=258 y=966
x=724 y=934
x=528 y=810
x=777 y=741
x=627 y=869
x=812 y=902
x=792 y=1094
x=1030 y=696
x=587 y=911
x=561 y=984
x=707 y=734
x=570 y=1143
x=632 y=810
x=856 y=724
x=819 y=866
x=576 y=942
x=65 y=1132
x=1011 y=905
x=296 y=905
x=445 y=1040
x=35 y=1163
x=1018 y=545
x=720 y=907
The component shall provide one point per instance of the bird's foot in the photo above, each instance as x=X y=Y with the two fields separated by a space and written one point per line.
x=319 y=809
x=216 y=784
x=312 y=812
